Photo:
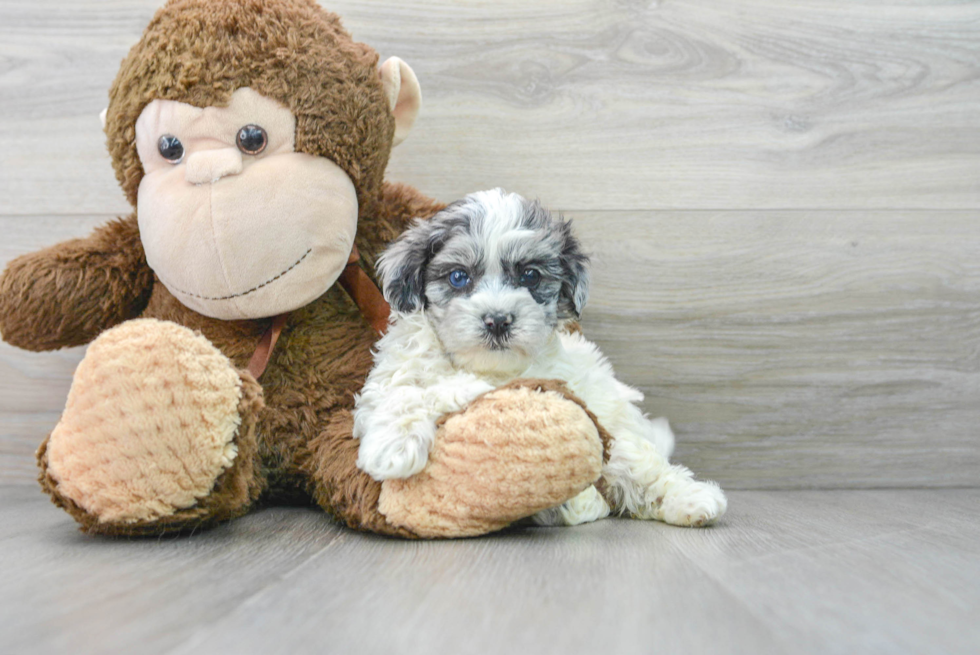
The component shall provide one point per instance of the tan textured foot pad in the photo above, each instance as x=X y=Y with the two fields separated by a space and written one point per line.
x=149 y=424
x=512 y=453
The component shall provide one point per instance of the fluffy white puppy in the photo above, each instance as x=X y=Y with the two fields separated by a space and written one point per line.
x=480 y=296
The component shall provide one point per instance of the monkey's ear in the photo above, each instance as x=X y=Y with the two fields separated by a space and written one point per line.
x=404 y=95
x=102 y=115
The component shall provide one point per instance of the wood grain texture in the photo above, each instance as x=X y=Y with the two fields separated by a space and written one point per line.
x=799 y=349
x=591 y=104
x=788 y=349
x=893 y=571
x=67 y=592
x=832 y=340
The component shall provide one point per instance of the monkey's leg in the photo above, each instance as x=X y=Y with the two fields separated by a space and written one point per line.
x=513 y=452
x=158 y=434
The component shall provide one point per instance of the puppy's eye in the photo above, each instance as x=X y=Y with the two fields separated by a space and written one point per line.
x=459 y=279
x=530 y=277
x=252 y=139
x=171 y=148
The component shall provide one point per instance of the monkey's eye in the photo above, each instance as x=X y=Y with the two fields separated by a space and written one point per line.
x=530 y=278
x=459 y=279
x=171 y=148
x=252 y=139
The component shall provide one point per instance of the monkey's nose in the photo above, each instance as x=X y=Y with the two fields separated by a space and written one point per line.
x=498 y=324
x=209 y=166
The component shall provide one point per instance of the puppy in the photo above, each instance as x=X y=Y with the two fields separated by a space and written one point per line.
x=481 y=294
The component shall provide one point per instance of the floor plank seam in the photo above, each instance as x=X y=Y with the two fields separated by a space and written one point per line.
x=777 y=631
x=910 y=529
x=961 y=487
x=199 y=637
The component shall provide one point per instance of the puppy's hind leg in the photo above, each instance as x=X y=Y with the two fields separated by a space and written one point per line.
x=586 y=507
x=645 y=485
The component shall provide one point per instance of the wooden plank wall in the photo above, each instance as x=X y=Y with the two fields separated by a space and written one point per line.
x=782 y=199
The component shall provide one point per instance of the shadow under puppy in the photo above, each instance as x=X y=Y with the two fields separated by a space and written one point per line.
x=482 y=294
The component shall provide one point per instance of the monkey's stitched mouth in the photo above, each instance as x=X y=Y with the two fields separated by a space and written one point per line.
x=242 y=293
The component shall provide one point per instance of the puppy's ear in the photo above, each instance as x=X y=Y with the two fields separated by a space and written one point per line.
x=575 y=275
x=401 y=267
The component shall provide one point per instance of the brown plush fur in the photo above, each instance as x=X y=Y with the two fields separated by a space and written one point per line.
x=67 y=294
x=295 y=441
x=545 y=466
x=232 y=496
x=200 y=52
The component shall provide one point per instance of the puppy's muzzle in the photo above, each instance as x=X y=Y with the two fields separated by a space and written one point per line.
x=498 y=325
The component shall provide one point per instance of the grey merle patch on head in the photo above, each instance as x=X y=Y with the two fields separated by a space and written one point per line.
x=402 y=266
x=514 y=232
x=492 y=271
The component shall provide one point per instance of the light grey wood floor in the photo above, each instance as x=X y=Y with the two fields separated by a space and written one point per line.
x=783 y=204
x=880 y=571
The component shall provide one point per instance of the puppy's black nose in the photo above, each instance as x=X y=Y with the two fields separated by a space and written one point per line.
x=498 y=324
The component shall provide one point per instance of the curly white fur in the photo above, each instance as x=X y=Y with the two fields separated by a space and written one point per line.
x=417 y=378
x=415 y=382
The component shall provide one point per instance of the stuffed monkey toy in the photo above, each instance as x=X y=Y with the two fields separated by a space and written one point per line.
x=230 y=318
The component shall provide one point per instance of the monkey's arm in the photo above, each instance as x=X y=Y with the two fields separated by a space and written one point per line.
x=65 y=295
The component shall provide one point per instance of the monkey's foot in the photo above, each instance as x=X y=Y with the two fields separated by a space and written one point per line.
x=157 y=434
x=513 y=452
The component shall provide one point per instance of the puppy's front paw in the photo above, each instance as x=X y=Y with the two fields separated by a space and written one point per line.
x=467 y=392
x=694 y=504
x=395 y=453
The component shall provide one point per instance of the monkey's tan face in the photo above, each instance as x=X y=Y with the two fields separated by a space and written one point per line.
x=235 y=222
